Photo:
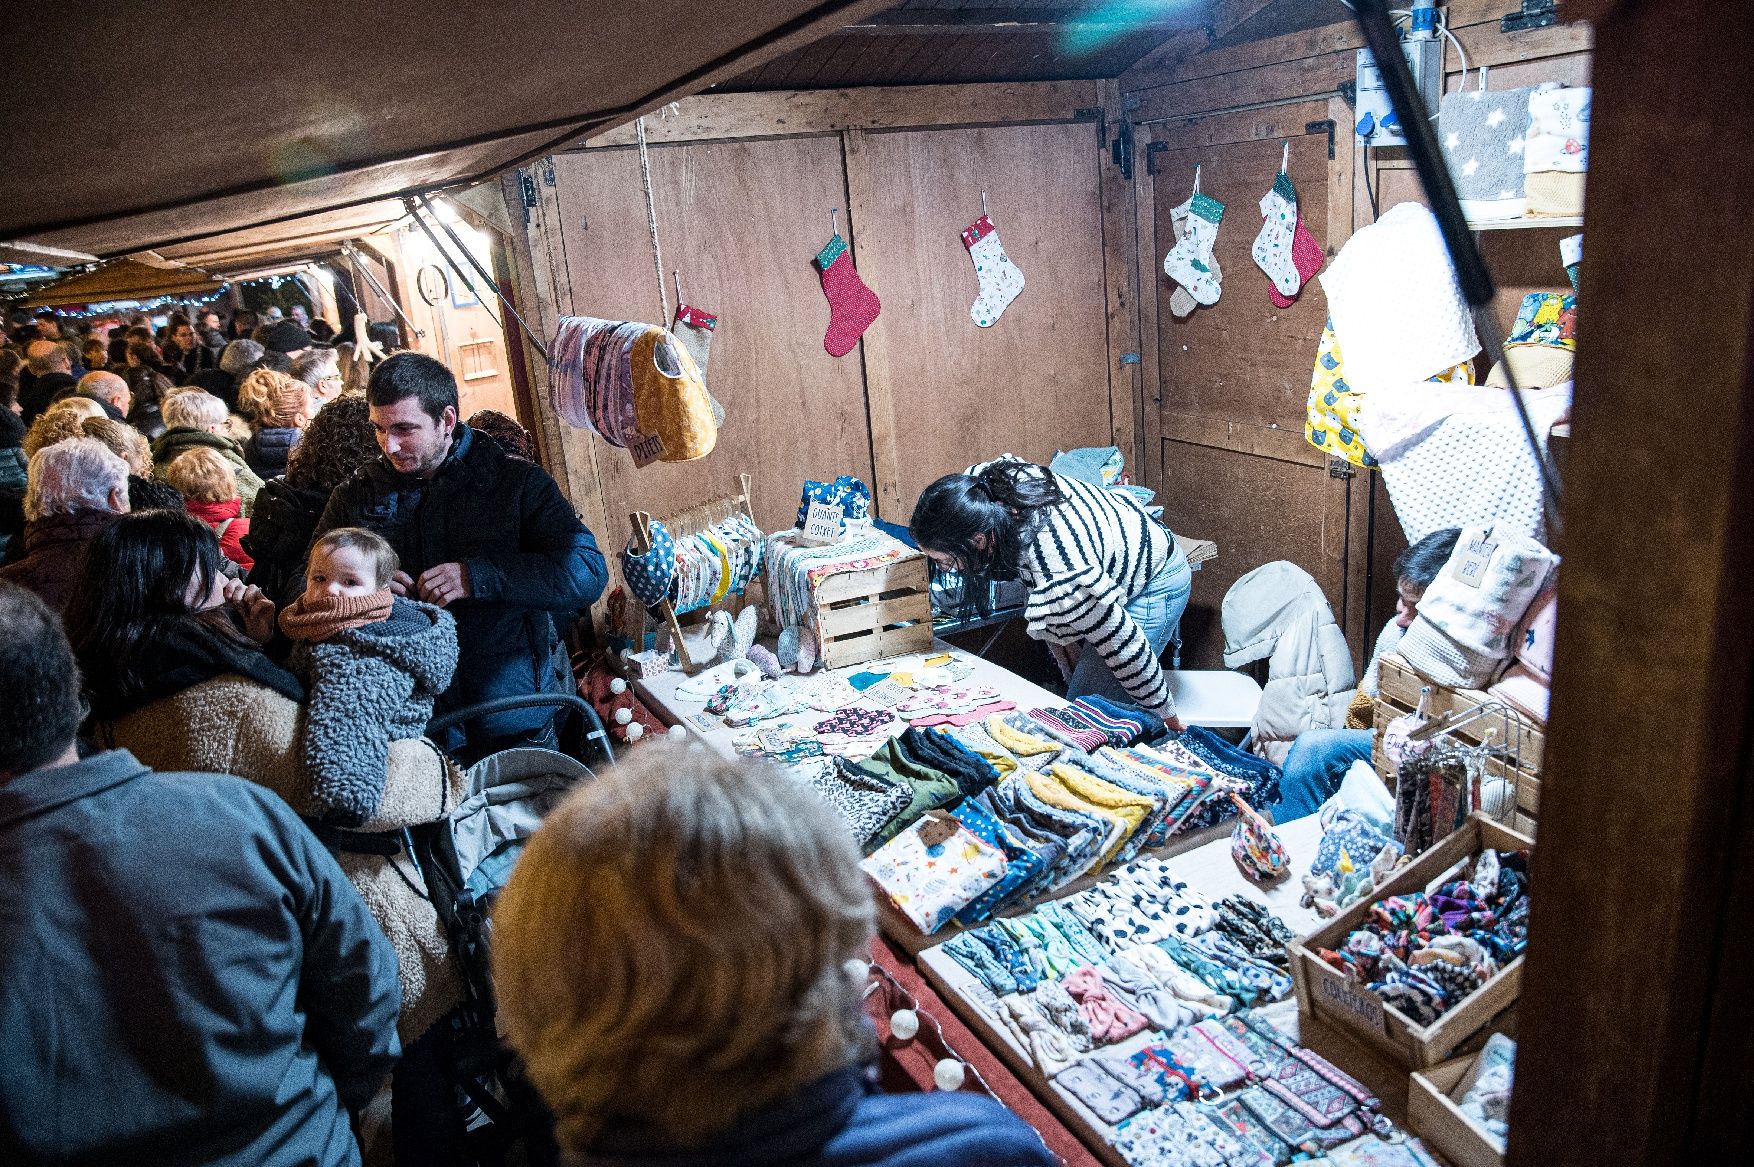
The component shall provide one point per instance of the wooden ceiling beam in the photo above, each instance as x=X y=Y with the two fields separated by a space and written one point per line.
x=999 y=21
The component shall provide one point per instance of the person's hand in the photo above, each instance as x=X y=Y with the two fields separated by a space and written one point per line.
x=254 y=608
x=1174 y=722
x=401 y=584
x=444 y=584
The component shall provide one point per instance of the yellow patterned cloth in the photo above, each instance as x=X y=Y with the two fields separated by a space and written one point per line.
x=1330 y=417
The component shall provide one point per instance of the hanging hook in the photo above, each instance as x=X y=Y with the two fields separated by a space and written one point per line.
x=1196 y=178
x=1285 y=157
x=833 y=222
x=677 y=276
x=983 y=204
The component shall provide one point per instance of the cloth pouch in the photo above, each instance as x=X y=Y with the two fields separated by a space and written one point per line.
x=1462 y=632
x=931 y=870
x=1107 y=1098
x=1483 y=140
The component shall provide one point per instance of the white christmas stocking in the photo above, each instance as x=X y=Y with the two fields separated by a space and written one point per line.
x=1189 y=263
x=1272 y=249
x=1000 y=279
x=1181 y=301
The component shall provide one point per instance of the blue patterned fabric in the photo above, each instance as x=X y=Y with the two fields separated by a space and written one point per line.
x=649 y=576
x=1261 y=775
x=1021 y=864
x=846 y=492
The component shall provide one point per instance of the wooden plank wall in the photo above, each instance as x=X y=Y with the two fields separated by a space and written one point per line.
x=1195 y=101
x=743 y=185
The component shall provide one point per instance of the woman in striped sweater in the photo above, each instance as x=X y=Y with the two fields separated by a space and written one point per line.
x=1107 y=582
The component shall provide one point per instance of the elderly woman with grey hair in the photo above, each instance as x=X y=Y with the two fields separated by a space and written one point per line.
x=75 y=489
x=195 y=418
x=680 y=960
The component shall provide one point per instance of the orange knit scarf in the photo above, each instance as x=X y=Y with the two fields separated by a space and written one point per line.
x=316 y=622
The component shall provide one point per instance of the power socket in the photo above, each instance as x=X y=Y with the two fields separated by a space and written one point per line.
x=1377 y=123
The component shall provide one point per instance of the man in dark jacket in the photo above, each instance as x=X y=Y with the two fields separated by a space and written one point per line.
x=185 y=974
x=486 y=536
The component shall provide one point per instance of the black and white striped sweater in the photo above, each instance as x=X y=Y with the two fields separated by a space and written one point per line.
x=1086 y=559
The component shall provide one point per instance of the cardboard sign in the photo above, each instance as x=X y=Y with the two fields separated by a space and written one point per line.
x=1362 y=1006
x=824 y=523
x=1475 y=556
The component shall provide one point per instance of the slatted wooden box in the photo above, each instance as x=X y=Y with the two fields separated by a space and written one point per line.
x=1328 y=994
x=1399 y=695
x=1435 y=1117
x=875 y=612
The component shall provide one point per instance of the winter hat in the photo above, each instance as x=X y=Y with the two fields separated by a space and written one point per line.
x=285 y=337
x=649 y=575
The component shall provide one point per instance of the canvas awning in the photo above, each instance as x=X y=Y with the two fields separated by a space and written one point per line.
x=124 y=279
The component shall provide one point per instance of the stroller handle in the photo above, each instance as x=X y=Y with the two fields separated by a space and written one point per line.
x=593 y=723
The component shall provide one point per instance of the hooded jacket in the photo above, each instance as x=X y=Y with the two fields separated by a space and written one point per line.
x=370 y=686
x=1278 y=611
x=54 y=550
x=532 y=565
x=226 y=519
x=181 y=438
x=282 y=525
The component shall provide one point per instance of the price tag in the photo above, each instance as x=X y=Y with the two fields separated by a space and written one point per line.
x=937 y=828
x=1478 y=553
x=824 y=522
x=704 y=722
x=1361 y=1007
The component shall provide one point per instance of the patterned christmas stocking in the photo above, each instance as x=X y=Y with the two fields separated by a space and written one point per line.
x=1000 y=278
x=851 y=305
x=1272 y=249
x=1307 y=256
x=1181 y=301
x=693 y=330
x=1190 y=262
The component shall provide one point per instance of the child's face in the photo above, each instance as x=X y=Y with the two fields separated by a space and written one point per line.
x=339 y=571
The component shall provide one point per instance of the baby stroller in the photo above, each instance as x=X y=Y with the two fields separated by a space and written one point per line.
x=463 y=860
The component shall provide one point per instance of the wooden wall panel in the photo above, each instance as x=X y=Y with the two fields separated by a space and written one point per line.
x=742 y=222
x=943 y=391
x=1266 y=509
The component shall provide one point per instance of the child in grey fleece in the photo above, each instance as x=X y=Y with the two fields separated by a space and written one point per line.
x=373 y=663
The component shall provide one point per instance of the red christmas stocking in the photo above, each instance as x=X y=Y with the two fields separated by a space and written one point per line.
x=851 y=305
x=1307 y=256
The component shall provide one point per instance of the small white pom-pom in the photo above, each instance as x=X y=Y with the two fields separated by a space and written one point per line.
x=623 y=716
x=857 y=970
x=949 y=1074
x=617 y=686
x=676 y=733
x=904 y=1023
x=635 y=732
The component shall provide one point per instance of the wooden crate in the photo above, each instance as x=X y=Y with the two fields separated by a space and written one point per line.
x=1399 y=695
x=1329 y=995
x=875 y=613
x=1434 y=1117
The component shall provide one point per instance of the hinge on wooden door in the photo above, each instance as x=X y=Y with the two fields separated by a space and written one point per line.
x=1532 y=14
x=1121 y=149
x=1325 y=126
x=1339 y=468
x=1151 y=153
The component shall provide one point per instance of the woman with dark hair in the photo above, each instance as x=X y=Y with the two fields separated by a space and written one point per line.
x=147 y=386
x=338 y=441
x=172 y=657
x=1107 y=582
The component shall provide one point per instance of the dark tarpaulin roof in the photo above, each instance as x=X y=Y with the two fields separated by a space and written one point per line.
x=131 y=125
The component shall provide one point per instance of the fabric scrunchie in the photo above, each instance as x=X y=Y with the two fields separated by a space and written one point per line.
x=1109 y=1020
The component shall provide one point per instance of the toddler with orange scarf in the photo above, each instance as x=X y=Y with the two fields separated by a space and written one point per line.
x=372 y=661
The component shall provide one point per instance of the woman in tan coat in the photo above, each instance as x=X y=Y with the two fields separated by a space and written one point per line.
x=175 y=673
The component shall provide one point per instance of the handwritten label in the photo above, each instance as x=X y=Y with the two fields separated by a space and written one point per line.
x=824 y=522
x=1478 y=553
x=885 y=693
x=1360 y=1006
x=938 y=828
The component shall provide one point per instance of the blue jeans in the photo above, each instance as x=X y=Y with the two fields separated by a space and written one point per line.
x=1315 y=767
x=1157 y=611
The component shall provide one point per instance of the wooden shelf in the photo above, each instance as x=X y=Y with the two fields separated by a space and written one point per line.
x=1527 y=223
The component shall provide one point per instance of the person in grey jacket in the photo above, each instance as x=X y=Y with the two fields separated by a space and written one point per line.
x=185 y=974
x=373 y=661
